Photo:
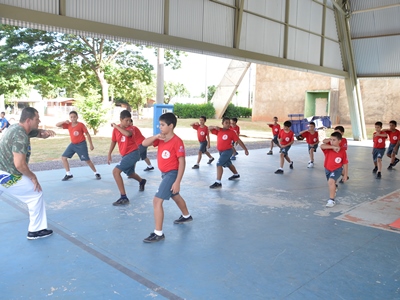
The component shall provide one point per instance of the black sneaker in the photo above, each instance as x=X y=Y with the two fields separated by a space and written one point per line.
x=142 y=184
x=378 y=175
x=152 y=238
x=67 y=177
x=121 y=201
x=182 y=219
x=98 y=177
x=215 y=185
x=39 y=234
x=390 y=167
x=210 y=160
x=234 y=176
x=149 y=169
x=195 y=167
x=291 y=165
x=279 y=171
x=396 y=161
x=270 y=153
x=375 y=170
x=341 y=180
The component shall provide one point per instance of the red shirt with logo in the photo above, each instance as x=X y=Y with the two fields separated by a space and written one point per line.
x=342 y=144
x=201 y=132
x=379 y=141
x=394 y=136
x=126 y=144
x=286 y=137
x=235 y=129
x=168 y=153
x=225 y=138
x=275 y=128
x=334 y=160
x=312 y=138
x=76 y=132
x=139 y=138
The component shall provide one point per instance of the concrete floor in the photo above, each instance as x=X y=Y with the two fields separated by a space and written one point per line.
x=264 y=236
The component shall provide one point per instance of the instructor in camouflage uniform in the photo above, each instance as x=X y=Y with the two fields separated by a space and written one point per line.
x=16 y=179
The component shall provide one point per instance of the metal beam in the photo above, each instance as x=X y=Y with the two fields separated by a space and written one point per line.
x=375 y=36
x=62 y=7
x=166 y=17
x=238 y=23
x=375 y=8
x=286 y=33
x=321 y=57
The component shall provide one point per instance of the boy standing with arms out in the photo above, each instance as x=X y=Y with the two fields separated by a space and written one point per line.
x=335 y=163
x=379 y=139
x=276 y=128
x=77 y=132
x=124 y=135
x=394 y=137
x=286 y=140
x=236 y=129
x=139 y=138
x=225 y=138
x=311 y=135
x=171 y=162
x=342 y=144
x=203 y=135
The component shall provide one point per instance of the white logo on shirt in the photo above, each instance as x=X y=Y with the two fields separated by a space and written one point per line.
x=165 y=154
x=276 y=129
x=379 y=140
x=123 y=138
x=395 y=138
x=225 y=137
x=202 y=133
x=315 y=139
x=338 y=160
x=76 y=133
x=287 y=139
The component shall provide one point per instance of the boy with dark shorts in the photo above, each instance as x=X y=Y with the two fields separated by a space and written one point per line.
x=203 y=135
x=286 y=140
x=311 y=135
x=379 y=140
x=235 y=127
x=342 y=144
x=225 y=138
x=394 y=137
x=335 y=163
x=276 y=128
x=77 y=132
x=124 y=135
x=171 y=162
x=139 y=138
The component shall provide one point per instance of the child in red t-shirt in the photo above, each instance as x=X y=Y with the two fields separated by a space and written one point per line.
x=342 y=144
x=78 y=145
x=236 y=129
x=124 y=135
x=225 y=138
x=276 y=128
x=394 y=137
x=335 y=163
x=203 y=135
x=379 y=139
x=286 y=140
x=311 y=135
x=171 y=162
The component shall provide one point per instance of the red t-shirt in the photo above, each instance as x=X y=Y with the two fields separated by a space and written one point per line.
x=394 y=136
x=77 y=132
x=126 y=144
x=235 y=129
x=342 y=144
x=225 y=138
x=334 y=160
x=139 y=138
x=312 y=138
x=286 y=137
x=275 y=128
x=168 y=153
x=379 y=141
x=201 y=132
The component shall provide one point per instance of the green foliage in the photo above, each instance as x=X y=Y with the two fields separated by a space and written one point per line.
x=91 y=110
x=210 y=92
x=186 y=111
x=172 y=89
x=233 y=111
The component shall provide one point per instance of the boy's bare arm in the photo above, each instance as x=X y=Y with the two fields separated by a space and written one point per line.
x=150 y=140
x=345 y=172
x=176 y=186
x=60 y=124
x=208 y=140
x=89 y=138
x=326 y=146
x=112 y=146
x=213 y=127
x=122 y=130
x=243 y=146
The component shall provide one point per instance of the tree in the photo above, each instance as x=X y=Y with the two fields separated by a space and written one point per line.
x=210 y=92
x=172 y=89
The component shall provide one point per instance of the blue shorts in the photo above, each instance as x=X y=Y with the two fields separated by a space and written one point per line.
x=378 y=153
x=128 y=162
x=275 y=139
x=224 y=159
x=391 y=149
x=285 y=150
x=335 y=174
x=203 y=147
x=164 y=190
x=81 y=149
x=142 y=152
x=315 y=147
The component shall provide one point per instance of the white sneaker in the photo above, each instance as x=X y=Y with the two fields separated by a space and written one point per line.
x=330 y=203
x=310 y=165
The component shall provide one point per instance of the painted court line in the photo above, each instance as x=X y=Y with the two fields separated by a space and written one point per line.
x=133 y=275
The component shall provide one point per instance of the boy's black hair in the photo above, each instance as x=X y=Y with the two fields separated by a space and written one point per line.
x=275 y=118
x=125 y=114
x=336 y=134
x=311 y=123
x=225 y=118
x=3 y=112
x=340 y=128
x=169 y=118
x=393 y=122
x=378 y=124
x=234 y=120
x=287 y=124
x=203 y=117
x=73 y=112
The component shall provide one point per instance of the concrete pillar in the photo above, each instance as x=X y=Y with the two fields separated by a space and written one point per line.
x=160 y=76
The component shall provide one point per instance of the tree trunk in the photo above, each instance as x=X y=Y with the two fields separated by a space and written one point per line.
x=104 y=86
